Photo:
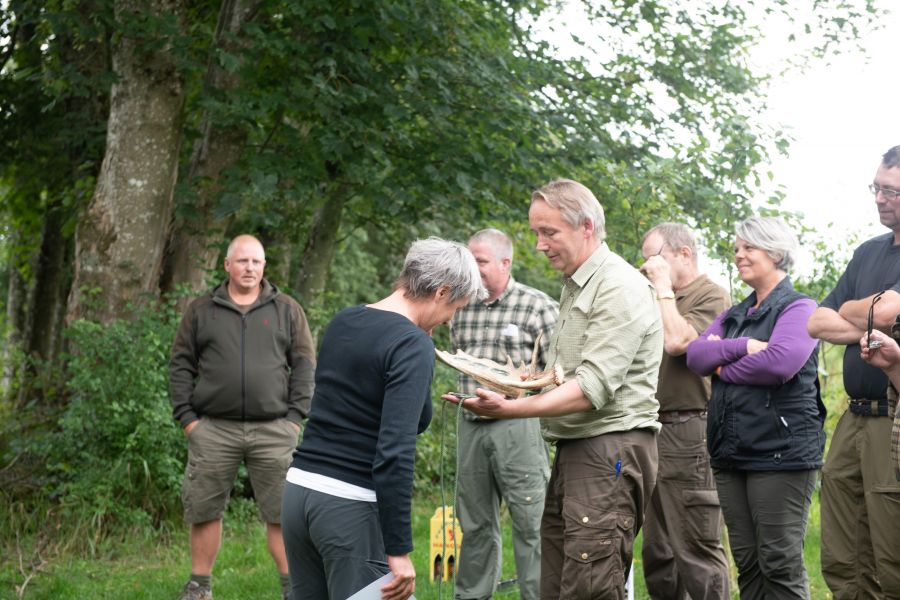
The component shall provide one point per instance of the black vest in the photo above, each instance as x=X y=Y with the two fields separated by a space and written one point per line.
x=761 y=427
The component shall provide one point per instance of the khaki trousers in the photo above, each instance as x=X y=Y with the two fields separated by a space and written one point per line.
x=682 y=551
x=498 y=460
x=593 y=512
x=861 y=511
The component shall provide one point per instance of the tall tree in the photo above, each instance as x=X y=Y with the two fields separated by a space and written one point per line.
x=199 y=226
x=53 y=92
x=121 y=238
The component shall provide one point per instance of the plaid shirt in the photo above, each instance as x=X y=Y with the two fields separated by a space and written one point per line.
x=895 y=430
x=508 y=326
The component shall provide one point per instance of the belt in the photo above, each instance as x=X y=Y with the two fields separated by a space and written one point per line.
x=864 y=407
x=679 y=416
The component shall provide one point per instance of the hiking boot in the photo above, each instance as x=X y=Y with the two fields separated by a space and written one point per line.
x=194 y=591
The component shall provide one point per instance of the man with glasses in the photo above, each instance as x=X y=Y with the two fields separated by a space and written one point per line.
x=682 y=551
x=860 y=493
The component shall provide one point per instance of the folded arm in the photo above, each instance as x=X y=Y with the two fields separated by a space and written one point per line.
x=789 y=347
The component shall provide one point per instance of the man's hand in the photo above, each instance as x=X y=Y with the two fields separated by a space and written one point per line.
x=404 y=583
x=485 y=404
x=886 y=357
x=190 y=427
x=754 y=346
x=657 y=271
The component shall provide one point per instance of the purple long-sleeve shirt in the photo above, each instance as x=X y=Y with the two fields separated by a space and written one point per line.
x=789 y=348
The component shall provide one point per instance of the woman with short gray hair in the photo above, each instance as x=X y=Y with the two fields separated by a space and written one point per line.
x=765 y=423
x=350 y=482
x=773 y=236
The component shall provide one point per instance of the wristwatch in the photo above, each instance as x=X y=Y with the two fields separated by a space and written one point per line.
x=666 y=295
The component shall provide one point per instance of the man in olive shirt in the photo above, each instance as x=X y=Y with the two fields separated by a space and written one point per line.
x=603 y=418
x=682 y=549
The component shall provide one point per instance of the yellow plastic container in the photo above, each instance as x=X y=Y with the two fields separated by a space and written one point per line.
x=442 y=557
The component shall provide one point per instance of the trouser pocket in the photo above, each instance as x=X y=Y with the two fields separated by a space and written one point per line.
x=597 y=546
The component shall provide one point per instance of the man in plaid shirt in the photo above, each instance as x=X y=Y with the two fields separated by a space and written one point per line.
x=505 y=458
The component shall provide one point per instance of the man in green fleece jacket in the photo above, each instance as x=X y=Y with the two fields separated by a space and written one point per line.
x=241 y=381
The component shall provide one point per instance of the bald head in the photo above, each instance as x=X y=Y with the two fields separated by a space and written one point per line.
x=244 y=240
x=244 y=263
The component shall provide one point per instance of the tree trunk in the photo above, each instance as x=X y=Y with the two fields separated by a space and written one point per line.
x=50 y=278
x=319 y=250
x=193 y=248
x=120 y=241
x=16 y=317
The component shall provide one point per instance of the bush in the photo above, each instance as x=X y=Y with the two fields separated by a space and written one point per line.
x=116 y=456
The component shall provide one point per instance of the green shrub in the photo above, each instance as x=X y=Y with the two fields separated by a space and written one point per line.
x=116 y=456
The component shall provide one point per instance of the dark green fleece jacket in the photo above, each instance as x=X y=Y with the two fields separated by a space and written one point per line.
x=250 y=366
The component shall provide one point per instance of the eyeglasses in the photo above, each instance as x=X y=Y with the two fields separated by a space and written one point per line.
x=888 y=193
x=872 y=344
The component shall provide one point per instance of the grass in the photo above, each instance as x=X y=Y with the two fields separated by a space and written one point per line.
x=148 y=571
x=139 y=569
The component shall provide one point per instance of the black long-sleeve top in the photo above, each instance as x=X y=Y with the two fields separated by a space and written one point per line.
x=372 y=397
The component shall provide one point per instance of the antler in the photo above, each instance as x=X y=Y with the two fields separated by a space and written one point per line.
x=506 y=379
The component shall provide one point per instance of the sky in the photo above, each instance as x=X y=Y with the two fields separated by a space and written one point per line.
x=843 y=116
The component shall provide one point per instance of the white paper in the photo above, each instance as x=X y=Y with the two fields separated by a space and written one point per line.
x=373 y=590
x=511 y=330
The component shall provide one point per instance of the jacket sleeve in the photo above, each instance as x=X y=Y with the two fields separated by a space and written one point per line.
x=302 y=360
x=183 y=369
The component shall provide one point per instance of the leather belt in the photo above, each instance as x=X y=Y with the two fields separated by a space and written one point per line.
x=679 y=416
x=864 y=407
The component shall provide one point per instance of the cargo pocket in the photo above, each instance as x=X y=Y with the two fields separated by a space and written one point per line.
x=524 y=485
x=595 y=540
x=703 y=518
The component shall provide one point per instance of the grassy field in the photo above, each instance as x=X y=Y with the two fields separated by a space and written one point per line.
x=143 y=571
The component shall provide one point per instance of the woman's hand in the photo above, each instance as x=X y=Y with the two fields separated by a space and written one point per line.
x=404 y=582
x=754 y=346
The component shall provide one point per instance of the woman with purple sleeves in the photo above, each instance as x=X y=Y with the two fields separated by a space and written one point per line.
x=764 y=428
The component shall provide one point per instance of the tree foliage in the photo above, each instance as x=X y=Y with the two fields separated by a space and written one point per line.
x=337 y=131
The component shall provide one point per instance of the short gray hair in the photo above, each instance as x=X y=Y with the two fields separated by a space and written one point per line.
x=434 y=263
x=675 y=235
x=891 y=158
x=497 y=240
x=772 y=235
x=575 y=202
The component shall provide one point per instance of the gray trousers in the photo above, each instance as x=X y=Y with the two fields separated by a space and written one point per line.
x=593 y=512
x=334 y=546
x=500 y=460
x=682 y=551
x=766 y=514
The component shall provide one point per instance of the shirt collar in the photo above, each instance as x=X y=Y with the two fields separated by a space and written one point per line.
x=506 y=292
x=697 y=282
x=587 y=269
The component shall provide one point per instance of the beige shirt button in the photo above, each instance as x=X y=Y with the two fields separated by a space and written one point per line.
x=527 y=498
x=584 y=555
x=584 y=519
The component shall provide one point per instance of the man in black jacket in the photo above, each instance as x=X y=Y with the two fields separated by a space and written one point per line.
x=241 y=381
